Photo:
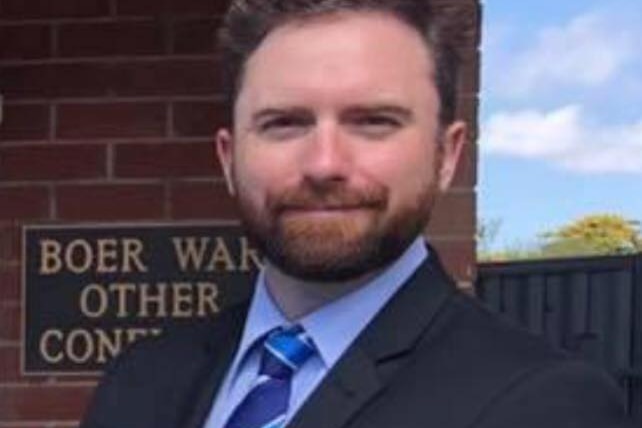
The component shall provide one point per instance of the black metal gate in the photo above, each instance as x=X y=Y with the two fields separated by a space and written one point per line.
x=590 y=306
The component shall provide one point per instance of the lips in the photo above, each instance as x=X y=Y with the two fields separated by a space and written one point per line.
x=337 y=199
x=320 y=214
x=324 y=207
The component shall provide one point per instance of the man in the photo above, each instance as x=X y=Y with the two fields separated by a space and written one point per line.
x=343 y=134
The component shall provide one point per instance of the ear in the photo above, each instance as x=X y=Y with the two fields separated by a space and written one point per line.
x=225 y=153
x=454 y=139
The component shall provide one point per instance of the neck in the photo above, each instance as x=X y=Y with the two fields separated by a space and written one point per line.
x=297 y=298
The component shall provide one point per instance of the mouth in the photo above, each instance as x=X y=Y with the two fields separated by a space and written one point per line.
x=328 y=203
x=324 y=210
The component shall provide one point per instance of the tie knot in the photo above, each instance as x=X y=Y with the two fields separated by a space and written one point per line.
x=285 y=351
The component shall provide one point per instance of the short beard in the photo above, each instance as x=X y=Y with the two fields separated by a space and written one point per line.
x=338 y=249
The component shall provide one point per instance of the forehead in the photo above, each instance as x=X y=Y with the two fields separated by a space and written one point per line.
x=353 y=54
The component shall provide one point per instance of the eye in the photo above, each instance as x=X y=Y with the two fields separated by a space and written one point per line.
x=282 y=127
x=377 y=120
x=375 y=125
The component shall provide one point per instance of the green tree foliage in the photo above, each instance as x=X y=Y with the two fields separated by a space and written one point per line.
x=487 y=231
x=592 y=235
x=598 y=234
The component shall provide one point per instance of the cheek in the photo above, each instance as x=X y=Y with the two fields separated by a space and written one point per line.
x=404 y=172
x=256 y=177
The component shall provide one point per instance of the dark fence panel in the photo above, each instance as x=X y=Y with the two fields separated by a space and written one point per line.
x=590 y=306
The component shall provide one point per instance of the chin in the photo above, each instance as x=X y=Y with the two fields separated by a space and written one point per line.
x=334 y=251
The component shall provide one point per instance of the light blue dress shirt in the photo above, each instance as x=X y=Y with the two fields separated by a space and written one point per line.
x=332 y=328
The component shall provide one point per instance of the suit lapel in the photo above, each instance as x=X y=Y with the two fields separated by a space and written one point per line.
x=219 y=346
x=406 y=318
x=350 y=384
x=368 y=365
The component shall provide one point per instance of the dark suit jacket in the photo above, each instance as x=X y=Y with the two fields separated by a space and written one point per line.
x=431 y=358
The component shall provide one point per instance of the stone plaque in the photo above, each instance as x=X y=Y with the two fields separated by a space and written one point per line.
x=91 y=290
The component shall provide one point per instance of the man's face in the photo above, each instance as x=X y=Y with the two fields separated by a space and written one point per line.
x=336 y=154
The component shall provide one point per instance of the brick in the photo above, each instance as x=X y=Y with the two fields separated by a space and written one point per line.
x=9 y=364
x=25 y=41
x=460 y=22
x=100 y=79
x=170 y=7
x=23 y=203
x=192 y=119
x=454 y=214
x=110 y=202
x=166 y=160
x=117 y=120
x=450 y=2
x=52 y=162
x=197 y=7
x=43 y=424
x=10 y=236
x=142 y=7
x=43 y=402
x=9 y=283
x=195 y=36
x=9 y=324
x=112 y=38
x=24 y=122
x=468 y=108
x=166 y=77
x=38 y=425
x=201 y=201
x=468 y=81
x=458 y=257
x=21 y=9
x=55 y=80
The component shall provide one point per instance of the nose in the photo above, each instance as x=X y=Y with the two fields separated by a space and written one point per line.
x=326 y=156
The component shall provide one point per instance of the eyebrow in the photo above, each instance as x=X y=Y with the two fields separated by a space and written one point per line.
x=395 y=110
x=403 y=113
x=278 y=111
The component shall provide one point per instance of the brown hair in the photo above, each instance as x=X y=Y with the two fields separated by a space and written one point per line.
x=248 y=22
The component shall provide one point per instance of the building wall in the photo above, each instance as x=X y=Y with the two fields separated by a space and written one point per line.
x=109 y=108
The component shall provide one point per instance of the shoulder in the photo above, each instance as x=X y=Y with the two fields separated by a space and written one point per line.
x=150 y=381
x=493 y=335
x=516 y=378
x=183 y=343
x=562 y=393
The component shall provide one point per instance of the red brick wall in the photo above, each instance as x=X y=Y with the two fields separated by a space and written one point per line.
x=109 y=110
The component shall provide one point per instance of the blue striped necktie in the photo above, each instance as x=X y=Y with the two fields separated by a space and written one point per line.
x=266 y=405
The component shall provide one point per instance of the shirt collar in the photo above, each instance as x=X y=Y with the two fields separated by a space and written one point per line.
x=263 y=316
x=334 y=326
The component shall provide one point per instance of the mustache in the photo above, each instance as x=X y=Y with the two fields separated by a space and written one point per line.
x=328 y=196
